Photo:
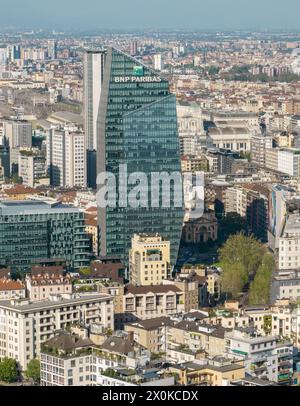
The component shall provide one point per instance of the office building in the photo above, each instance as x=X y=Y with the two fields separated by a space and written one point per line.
x=32 y=167
x=66 y=158
x=36 y=322
x=133 y=48
x=93 y=77
x=158 y=62
x=137 y=126
x=18 y=133
x=32 y=230
x=3 y=59
x=149 y=260
x=52 y=49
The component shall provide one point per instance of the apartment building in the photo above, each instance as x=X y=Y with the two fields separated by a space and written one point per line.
x=236 y=201
x=259 y=145
x=149 y=260
x=286 y=285
x=257 y=352
x=194 y=163
x=289 y=161
x=195 y=335
x=10 y=289
x=271 y=160
x=71 y=360
x=32 y=168
x=215 y=372
x=25 y=325
x=151 y=334
x=289 y=244
x=147 y=302
x=42 y=286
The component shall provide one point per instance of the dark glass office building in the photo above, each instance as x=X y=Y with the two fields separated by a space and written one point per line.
x=35 y=230
x=137 y=126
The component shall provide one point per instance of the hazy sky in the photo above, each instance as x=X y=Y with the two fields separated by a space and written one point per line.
x=151 y=14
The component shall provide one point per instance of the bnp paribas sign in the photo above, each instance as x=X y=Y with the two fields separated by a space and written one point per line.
x=138 y=76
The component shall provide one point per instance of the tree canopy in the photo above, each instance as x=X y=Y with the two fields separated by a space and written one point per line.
x=244 y=260
x=33 y=370
x=260 y=287
x=9 y=370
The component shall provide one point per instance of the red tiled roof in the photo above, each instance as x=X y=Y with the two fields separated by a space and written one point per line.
x=8 y=284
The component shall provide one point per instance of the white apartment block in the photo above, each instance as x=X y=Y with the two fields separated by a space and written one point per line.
x=66 y=158
x=289 y=244
x=25 y=325
x=75 y=159
x=257 y=352
x=236 y=201
x=289 y=161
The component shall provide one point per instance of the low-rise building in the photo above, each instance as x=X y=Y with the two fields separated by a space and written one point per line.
x=257 y=352
x=216 y=372
x=42 y=286
x=10 y=289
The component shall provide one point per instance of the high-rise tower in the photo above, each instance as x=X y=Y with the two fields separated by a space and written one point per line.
x=137 y=126
x=93 y=78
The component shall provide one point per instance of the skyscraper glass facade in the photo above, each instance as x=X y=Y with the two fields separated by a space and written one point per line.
x=137 y=126
x=32 y=230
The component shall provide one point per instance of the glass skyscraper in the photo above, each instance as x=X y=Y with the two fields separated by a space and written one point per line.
x=31 y=230
x=137 y=126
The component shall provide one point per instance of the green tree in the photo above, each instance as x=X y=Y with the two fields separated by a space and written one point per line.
x=243 y=250
x=9 y=370
x=234 y=278
x=33 y=370
x=260 y=288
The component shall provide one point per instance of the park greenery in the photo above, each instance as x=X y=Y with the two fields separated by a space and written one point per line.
x=9 y=372
x=33 y=370
x=246 y=263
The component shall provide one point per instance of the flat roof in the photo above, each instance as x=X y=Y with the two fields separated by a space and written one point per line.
x=46 y=304
x=26 y=207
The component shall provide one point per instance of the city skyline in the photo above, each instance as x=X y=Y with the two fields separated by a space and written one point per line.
x=132 y=15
